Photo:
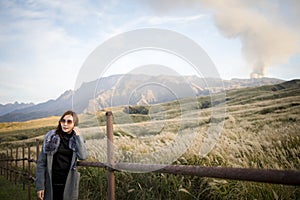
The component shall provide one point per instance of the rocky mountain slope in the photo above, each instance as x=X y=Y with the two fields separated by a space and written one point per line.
x=127 y=90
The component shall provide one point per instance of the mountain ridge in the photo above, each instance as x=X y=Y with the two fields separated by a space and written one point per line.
x=128 y=90
x=7 y=108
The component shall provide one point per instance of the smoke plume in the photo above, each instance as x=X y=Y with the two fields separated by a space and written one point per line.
x=264 y=28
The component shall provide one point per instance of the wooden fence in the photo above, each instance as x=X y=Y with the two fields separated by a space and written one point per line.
x=10 y=168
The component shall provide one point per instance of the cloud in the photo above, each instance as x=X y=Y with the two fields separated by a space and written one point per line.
x=178 y=20
x=37 y=54
x=267 y=39
x=264 y=42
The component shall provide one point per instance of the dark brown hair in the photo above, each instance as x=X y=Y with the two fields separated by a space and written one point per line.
x=75 y=120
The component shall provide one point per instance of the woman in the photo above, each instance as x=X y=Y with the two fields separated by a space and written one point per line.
x=56 y=174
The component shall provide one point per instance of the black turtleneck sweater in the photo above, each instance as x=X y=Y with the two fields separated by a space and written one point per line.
x=62 y=160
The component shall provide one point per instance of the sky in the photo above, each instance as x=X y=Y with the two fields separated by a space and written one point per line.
x=44 y=43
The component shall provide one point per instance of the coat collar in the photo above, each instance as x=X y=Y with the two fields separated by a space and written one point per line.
x=52 y=141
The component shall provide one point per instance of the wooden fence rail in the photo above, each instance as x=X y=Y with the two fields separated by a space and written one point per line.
x=8 y=169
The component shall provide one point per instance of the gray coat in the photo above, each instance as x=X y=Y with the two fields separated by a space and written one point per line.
x=44 y=165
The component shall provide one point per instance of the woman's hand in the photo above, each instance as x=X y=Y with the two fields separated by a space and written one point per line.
x=40 y=194
x=76 y=130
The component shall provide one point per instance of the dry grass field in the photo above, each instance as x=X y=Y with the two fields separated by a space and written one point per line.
x=261 y=129
x=16 y=133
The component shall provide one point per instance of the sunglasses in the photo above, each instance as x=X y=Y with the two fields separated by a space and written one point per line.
x=69 y=121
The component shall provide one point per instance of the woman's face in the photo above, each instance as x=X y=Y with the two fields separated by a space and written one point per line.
x=67 y=123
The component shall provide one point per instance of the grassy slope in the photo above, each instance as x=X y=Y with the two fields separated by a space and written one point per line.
x=261 y=130
x=255 y=118
x=38 y=123
x=11 y=191
x=15 y=133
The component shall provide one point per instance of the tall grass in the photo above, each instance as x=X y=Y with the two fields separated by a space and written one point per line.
x=261 y=130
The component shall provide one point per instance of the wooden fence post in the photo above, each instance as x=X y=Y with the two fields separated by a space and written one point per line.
x=29 y=174
x=23 y=166
x=10 y=164
x=1 y=164
x=6 y=170
x=110 y=155
x=37 y=149
x=16 y=164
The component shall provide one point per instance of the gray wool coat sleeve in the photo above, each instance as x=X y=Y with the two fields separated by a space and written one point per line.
x=41 y=171
x=81 y=152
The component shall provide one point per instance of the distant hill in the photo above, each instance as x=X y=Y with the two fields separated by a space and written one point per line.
x=131 y=89
x=49 y=108
x=10 y=107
